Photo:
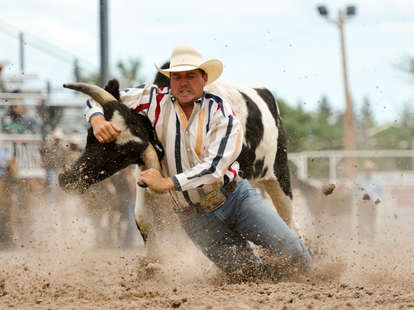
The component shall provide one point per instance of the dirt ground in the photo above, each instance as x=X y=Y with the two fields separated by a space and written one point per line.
x=56 y=266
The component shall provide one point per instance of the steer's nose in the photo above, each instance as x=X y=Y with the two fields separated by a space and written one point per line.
x=70 y=183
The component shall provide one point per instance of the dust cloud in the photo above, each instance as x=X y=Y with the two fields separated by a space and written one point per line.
x=55 y=264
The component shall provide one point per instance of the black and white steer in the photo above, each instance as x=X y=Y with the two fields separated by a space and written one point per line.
x=263 y=157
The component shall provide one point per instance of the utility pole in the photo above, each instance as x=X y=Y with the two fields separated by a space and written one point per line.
x=21 y=54
x=349 y=133
x=104 y=41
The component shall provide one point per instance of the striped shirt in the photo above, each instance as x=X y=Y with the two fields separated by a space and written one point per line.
x=201 y=152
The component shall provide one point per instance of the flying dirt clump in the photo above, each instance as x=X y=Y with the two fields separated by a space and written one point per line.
x=328 y=189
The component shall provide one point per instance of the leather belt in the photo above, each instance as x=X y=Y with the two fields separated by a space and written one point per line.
x=212 y=200
x=230 y=187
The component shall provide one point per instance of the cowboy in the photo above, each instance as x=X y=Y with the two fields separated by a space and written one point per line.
x=202 y=138
x=368 y=196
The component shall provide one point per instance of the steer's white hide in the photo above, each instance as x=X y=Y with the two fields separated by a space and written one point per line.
x=126 y=135
x=268 y=146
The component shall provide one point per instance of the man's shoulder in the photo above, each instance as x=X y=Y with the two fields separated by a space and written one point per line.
x=146 y=86
x=144 y=90
x=213 y=97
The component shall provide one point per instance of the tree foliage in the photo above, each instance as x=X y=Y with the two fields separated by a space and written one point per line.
x=317 y=130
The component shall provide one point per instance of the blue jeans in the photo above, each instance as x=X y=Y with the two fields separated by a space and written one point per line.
x=223 y=234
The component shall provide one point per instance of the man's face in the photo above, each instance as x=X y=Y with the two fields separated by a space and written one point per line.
x=19 y=109
x=187 y=86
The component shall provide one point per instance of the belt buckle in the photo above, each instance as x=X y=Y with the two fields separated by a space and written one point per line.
x=211 y=201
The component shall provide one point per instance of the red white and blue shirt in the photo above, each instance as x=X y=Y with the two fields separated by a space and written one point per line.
x=200 y=152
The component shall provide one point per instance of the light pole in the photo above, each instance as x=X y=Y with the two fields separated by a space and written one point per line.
x=104 y=41
x=349 y=137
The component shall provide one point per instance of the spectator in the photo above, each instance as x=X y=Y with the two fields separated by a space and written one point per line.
x=368 y=195
x=53 y=157
x=3 y=162
x=3 y=88
x=15 y=121
x=73 y=150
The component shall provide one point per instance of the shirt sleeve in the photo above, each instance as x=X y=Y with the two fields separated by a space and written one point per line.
x=137 y=99
x=222 y=147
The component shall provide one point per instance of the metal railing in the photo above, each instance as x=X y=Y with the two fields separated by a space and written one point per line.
x=301 y=160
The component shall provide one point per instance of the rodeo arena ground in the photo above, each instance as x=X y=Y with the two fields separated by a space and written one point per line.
x=63 y=250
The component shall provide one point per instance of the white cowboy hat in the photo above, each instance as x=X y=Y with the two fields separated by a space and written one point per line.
x=75 y=139
x=186 y=58
x=58 y=134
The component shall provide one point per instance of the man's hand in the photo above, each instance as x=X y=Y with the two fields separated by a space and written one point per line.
x=155 y=181
x=103 y=130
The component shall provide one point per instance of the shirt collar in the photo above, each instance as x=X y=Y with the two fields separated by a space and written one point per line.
x=199 y=100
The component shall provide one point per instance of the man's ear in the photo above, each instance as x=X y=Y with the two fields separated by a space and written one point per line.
x=205 y=77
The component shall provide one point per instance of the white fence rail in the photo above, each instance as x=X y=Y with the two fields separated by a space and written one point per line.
x=301 y=160
x=27 y=150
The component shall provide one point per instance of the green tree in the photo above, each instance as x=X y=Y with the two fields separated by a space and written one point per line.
x=311 y=131
x=364 y=123
x=296 y=123
x=324 y=110
x=400 y=135
x=407 y=66
x=325 y=132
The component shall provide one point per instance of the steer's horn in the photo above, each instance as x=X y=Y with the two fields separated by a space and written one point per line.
x=100 y=95
x=150 y=159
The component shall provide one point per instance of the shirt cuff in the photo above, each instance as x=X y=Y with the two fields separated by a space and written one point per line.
x=176 y=183
x=91 y=109
x=93 y=114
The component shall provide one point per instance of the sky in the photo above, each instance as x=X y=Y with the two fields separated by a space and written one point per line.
x=283 y=45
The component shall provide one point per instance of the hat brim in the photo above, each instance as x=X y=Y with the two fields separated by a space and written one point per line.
x=213 y=68
x=3 y=64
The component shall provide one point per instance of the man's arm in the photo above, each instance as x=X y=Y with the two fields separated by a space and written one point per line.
x=134 y=98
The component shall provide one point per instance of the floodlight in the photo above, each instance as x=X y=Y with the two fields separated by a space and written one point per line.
x=350 y=10
x=323 y=11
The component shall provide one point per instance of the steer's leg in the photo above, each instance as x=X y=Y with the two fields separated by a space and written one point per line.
x=144 y=214
x=144 y=219
x=281 y=202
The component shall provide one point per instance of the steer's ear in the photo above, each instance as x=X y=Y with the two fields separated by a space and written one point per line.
x=112 y=87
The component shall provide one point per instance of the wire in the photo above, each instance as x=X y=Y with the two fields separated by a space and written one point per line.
x=45 y=46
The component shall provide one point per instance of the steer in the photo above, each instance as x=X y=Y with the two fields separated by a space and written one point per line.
x=135 y=145
x=263 y=157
